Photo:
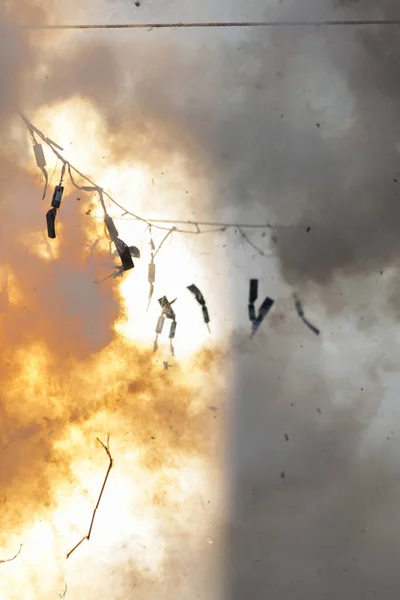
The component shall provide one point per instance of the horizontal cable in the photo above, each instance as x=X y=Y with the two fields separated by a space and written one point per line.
x=207 y=25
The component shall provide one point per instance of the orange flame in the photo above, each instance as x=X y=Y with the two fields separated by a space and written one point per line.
x=73 y=368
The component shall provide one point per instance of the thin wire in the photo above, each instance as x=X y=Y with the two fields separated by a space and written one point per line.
x=150 y=222
x=156 y=223
x=162 y=242
x=208 y=25
x=221 y=226
x=54 y=170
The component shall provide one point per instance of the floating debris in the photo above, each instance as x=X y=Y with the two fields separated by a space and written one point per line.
x=172 y=332
x=167 y=308
x=55 y=205
x=262 y=313
x=151 y=278
x=200 y=299
x=264 y=309
x=119 y=271
x=135 y=252
x=253 y=295
x=51 y=223
x=197 y=294
x=57 y=196
x=206 y=316
x=124 y=254
x=160 y=324
x=300 y=312
x=111 y=228
x=39 y=155
x=7 y=560
x=167 y=312
x=110 y=465
x=41 y=163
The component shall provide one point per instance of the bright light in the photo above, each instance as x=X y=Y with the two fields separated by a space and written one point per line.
x=158 y=486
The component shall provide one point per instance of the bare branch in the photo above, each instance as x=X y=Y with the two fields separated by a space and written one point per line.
x=110 y=465
x=7 y=560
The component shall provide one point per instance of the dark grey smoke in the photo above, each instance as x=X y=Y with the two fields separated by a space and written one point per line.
x=315 y=425
x=295 y=125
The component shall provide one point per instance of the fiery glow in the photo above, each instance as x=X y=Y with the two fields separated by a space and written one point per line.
x=62 y=388
x=131 y=186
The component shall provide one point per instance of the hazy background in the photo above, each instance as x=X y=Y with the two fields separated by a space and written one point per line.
x=299 y=127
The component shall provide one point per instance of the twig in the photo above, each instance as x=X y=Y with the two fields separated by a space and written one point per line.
x=118 y=273
x=7 y=560
x=110 y=464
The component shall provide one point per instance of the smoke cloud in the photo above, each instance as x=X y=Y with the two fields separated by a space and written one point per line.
x=310 y=141
x=297 y=127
